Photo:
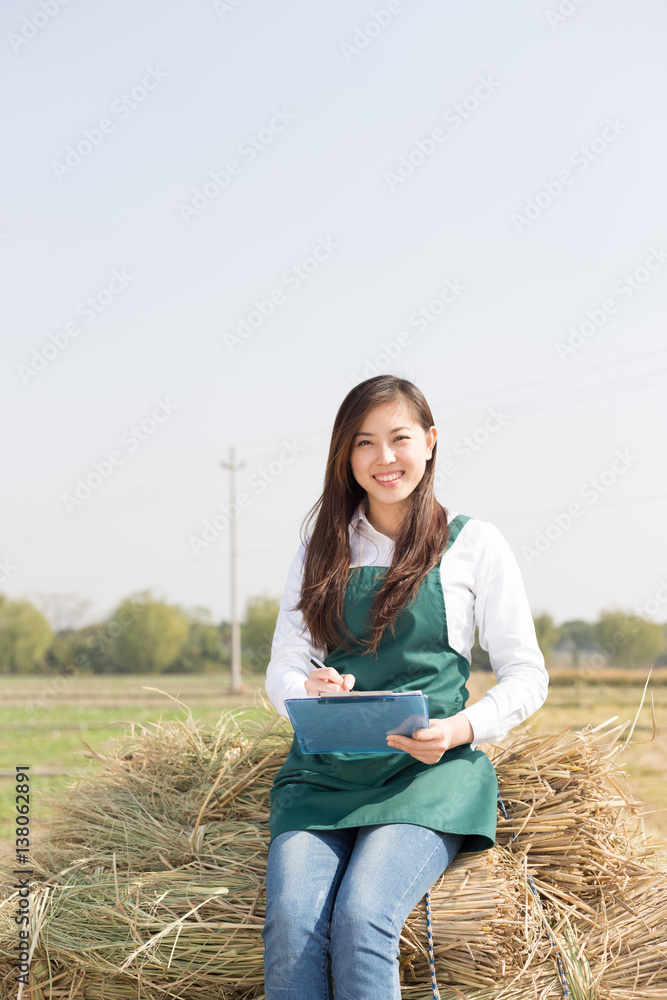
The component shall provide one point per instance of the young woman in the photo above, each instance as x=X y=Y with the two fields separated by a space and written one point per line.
x=386 y=591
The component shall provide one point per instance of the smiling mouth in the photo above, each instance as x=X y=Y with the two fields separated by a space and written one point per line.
x=388 y=477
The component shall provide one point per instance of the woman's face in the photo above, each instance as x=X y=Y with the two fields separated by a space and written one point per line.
x=389 y=454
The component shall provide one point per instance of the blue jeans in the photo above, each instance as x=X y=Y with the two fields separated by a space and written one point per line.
x=345 y=894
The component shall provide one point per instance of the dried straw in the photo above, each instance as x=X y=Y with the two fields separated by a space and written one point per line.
x=152 y=881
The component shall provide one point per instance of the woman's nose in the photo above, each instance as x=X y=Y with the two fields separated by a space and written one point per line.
x=386 y=454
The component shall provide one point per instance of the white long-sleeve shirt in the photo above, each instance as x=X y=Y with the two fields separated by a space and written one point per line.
x=482 y=585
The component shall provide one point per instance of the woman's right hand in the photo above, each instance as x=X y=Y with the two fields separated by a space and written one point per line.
x=323 y=680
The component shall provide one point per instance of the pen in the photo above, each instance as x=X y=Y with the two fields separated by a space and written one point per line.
x=313 y=659
x=374 y=694
x=318 y=663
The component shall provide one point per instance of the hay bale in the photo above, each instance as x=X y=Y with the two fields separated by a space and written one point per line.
x=152 y=881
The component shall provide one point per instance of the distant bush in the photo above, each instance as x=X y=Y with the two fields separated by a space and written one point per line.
x=25 y=636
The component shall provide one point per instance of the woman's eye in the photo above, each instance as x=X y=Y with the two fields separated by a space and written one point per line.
x=399 y=437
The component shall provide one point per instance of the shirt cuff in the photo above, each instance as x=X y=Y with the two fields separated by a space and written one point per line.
x=290 y=688
x=483 y=717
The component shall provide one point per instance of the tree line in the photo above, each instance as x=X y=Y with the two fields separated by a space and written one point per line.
x=149 y=636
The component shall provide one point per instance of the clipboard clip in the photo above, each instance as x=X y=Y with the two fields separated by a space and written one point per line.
x=353 y=694
x=328 y=699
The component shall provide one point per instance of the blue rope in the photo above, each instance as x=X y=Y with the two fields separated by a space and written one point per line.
x=559 y=960
x=429 y=934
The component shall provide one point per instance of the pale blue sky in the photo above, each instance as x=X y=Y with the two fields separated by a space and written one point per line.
x=221 y=74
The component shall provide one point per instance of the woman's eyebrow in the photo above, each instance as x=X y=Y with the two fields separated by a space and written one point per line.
x=370 y=434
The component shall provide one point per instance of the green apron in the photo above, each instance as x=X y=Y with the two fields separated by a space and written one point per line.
x=458 y=794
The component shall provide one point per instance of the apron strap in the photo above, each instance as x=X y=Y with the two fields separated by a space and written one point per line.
x=455 y=528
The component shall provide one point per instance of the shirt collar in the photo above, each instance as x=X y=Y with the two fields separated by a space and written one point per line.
x=359 y=518
x=359 y=515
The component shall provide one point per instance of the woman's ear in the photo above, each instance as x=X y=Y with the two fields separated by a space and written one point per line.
x=430 y=442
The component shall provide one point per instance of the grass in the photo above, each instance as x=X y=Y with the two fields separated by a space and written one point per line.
x=45 y=726
x=45 y=723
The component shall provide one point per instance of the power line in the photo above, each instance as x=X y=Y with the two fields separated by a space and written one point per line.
x=173 y=482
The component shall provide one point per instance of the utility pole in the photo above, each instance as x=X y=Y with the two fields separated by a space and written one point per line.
x=232 y=465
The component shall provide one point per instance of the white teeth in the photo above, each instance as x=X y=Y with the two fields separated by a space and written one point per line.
x=388 y=479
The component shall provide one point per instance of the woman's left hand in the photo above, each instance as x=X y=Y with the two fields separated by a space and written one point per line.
x=428 y=745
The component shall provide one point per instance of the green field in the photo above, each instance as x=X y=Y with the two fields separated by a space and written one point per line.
x=53 y=728
x=47 y=725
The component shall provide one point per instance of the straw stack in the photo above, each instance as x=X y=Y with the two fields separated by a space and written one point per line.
x=152 y=881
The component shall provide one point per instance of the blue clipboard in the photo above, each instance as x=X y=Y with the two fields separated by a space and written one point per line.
x=356 y=722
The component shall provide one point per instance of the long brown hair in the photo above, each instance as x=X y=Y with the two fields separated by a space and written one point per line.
x=418 y=546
